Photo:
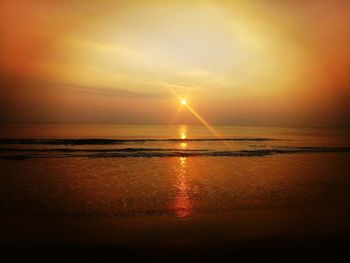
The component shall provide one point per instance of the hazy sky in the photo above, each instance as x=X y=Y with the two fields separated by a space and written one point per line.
x=237 y=62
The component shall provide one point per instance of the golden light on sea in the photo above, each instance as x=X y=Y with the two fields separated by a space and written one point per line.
x=183 y=145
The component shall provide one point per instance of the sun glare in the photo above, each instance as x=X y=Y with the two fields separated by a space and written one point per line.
x=183 y=101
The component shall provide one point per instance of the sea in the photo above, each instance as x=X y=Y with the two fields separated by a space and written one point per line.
x=172 y=185
x=28 y=141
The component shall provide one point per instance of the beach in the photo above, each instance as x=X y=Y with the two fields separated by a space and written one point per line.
x=100 y=204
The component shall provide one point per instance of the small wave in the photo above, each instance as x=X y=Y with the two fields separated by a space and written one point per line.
x=149 y=152
x=91 y=150
x=121 y=141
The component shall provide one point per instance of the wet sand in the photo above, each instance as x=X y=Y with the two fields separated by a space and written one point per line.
x=168 y=208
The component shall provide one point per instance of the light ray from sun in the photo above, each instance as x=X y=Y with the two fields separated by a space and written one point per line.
x=200 y=118
x=184 y=103
x=203 y=121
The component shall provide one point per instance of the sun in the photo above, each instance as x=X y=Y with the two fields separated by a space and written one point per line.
x=183 y=101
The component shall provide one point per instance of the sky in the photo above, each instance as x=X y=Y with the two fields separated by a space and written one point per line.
x=280 y=63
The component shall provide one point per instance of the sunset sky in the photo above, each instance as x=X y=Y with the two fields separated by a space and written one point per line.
x=236 y=62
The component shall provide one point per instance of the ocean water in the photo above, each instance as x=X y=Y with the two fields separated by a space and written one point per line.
x=115 y=141
x=175 y=184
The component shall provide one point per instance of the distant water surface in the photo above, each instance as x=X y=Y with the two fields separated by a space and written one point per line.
x=106 y=140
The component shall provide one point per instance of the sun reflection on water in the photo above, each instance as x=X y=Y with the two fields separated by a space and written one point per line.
x=183 y=136
x=183 y=132
x=182 y=205
x=183 y=145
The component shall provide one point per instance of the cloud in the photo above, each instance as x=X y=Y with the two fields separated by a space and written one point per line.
x=101 y=91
